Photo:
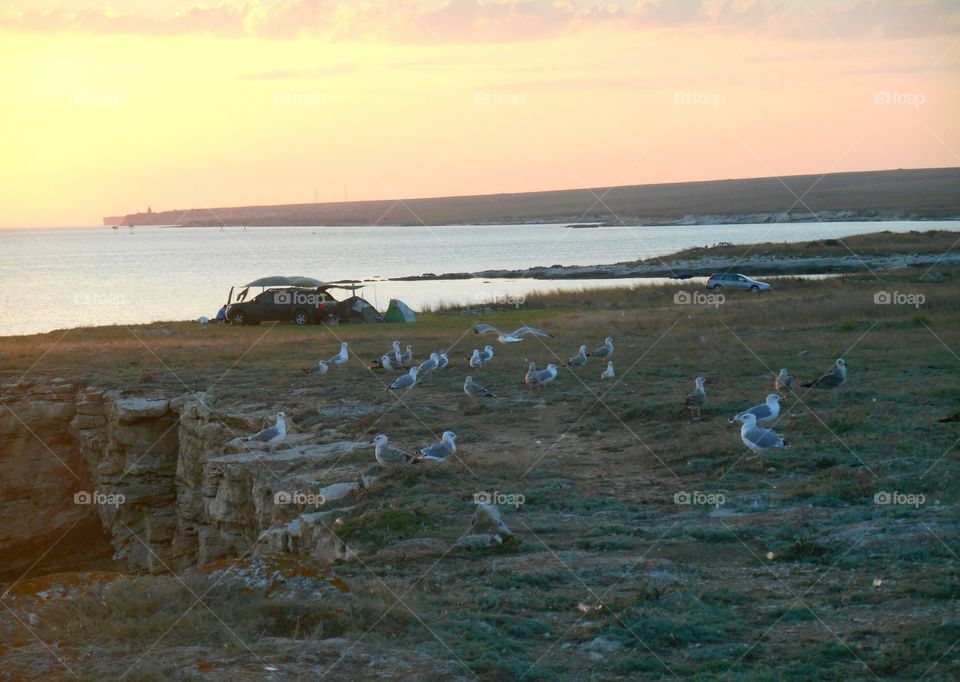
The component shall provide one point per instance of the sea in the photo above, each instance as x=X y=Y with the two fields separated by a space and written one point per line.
x=59 y=278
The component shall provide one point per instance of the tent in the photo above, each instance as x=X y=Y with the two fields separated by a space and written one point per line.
x=363 y=310
x=398 y=311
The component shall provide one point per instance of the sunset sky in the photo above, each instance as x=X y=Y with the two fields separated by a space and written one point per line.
x=107 y=108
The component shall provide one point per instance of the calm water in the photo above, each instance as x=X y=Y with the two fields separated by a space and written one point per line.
x=60 y=278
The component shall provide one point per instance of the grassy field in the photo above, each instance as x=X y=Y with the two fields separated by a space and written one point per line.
x=799 y=574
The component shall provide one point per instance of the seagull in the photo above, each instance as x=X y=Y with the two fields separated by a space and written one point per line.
x=475 y=390
x=529 y=378
x=429 y=364
x=832 y=380
x=320 y=368
x=544 y=376
x=604 y=351
x=784 y=381
x=475 y=360
x=386 y=362
x=513 y=337
x=764 y=412
x=273 y=434
x=444 y=361
x=341 y=357
x=396 y=353
x=487 y=354
x=578 y=360
x=408 y=380
x=387 y=455
x=407 y=356
x=698 y=398
x=608 y=372
x=439 y=451
x=756 y=438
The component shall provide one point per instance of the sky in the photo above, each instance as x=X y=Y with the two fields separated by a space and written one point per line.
x=108 y=108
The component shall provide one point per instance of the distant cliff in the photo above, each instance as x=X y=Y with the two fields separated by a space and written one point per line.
x=920 y=194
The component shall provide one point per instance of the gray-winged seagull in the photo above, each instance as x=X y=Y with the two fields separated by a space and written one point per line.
x=439 y=451
x=604 y=351
x=578 y=360
x=608 y=372
x=764 y=412
x=833 y=379
x=341 y=357
x=387 y=455
x=273 y=434
x=756 y=438
x=697 y=398
x=511 y=337
x=407 y=381
x=475 y=390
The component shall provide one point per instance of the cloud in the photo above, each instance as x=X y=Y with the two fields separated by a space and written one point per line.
x=444 y=21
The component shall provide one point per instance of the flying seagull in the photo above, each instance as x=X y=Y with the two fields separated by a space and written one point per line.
x=832 y=380
x=439 y=451
x=608 y=372
x=512 y=337
x=475 y=390
x=604 y=351
x=764 y=412
x=341 y=357
x=407 y=381
x=756 y=438
x=578 y=360
x=274 y=434
x=784 y=381
x=697 y=398
x=389 y=456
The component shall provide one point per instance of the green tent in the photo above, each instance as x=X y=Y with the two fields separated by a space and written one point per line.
x=398 y=311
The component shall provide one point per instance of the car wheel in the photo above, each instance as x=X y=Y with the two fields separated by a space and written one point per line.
x=301 y=317
x=754 y=288
x=717 y=287
x=238 y=317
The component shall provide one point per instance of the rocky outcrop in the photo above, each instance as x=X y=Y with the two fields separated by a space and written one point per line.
x=159 y=484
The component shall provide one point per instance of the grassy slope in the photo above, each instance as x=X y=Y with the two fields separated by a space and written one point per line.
x=778 y=585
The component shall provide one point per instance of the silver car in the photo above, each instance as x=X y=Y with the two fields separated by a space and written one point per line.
x=735 y=281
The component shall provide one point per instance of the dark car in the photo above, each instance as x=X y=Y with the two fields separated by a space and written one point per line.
x=288 y=304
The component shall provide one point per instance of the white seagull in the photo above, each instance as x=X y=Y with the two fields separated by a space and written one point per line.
x=444 y=361
x=407 y=381
x=756 y=438
x=486 y=355
x=697 y=398
x=512 y=337
x=604 y=351
x=608 y=372
x=396 y=352
x=784 y=381
x=544 y=376
x=475 y=361
x=439 y=451
x=341 y=357
x=832 y=380
x=429 y=364
x=320 y=368
x=273 y=434
x=407 y=356
x=578 y=360
x=386 y=362
x=765 y=412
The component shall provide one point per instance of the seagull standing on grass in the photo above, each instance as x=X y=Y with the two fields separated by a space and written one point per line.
x=444 y=361
x=604 y=351
x=784 y=381
x=756 y=438
x=386 y=362
x=475 y=361
x=578 y=360
x=832 y=380
x=397 y=355
x=320 y=368
x=429 y=364
x=544 y=376
x=486 y=355
x=387 y=455
x=439 y=451
x=608 y=372
x=407 y=356
x=530 y=376
x=273 y=434
x=475 y=390
x=405 y=381
x=697 y=398
x=341 y=357
x=764 y=412
x=512 y=337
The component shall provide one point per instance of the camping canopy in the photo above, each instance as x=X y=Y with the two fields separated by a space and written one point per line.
x=398 y=311
x=281 y=281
